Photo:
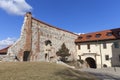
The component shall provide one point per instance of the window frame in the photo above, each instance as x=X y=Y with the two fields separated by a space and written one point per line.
x=107 y=57
x=104 y=45
x=116 y=45
x=109 y=34
x=79 y=46
x=88 y=36
x=88 y=46
x=97 y=35
x=119 y=58
x=118 y=33
x=80 y=37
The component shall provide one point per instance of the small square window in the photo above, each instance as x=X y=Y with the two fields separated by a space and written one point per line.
x=98 y=35
x=88 y=36
x=88 y=46
x=104 y=45
x=116 y=44
x=109 y=34
x=119 y=33
x=80 y=37
x=79 y=47
x=119 y=58
x=106 y=57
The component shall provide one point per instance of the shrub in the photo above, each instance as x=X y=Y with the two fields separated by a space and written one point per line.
x=63 y=53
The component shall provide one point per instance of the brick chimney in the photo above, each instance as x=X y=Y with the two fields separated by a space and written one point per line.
x=28 y=31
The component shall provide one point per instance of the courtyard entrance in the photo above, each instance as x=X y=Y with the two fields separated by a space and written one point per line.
x=91 y=62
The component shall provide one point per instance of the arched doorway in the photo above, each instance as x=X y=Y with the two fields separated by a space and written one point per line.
x=91 y=62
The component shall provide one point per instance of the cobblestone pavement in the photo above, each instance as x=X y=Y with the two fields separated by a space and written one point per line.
x=104 y=73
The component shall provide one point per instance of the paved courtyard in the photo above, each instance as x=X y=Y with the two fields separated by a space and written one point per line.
x=104 y=73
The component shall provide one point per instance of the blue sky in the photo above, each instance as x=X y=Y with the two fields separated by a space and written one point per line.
x=79 y=16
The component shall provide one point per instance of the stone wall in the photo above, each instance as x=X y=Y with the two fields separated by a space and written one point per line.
x=42 y=32
x=34 y=34
x=18 y=48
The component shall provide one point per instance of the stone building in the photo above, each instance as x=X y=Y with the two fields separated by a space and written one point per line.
x=40 y=41
x=100 y=49
x=3 y=53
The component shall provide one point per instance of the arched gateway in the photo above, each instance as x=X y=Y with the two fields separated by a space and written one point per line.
x=91 y=62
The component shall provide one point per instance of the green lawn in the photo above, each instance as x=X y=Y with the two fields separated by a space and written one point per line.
x=40 y=71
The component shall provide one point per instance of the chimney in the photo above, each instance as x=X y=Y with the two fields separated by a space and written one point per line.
x=28 y=30
x=28 y=14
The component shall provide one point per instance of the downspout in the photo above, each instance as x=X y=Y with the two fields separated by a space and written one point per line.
x=100 y=55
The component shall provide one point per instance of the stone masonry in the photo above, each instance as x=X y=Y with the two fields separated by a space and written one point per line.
x=40 y=41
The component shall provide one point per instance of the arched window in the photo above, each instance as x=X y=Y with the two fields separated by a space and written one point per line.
x=48 y=42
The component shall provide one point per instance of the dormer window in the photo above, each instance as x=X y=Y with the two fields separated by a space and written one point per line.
x=88 y=36
x=80 y=37
x=119 y=33
x=109 y=34
x=98 y=35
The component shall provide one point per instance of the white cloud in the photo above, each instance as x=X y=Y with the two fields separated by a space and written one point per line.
x=6 y=42
x=18 y=7
x=79 y=33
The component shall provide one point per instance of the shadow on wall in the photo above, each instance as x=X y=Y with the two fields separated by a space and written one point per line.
x=115 y=59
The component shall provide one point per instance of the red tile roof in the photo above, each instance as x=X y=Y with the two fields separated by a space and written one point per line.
x=111 y=34
x=4 y=50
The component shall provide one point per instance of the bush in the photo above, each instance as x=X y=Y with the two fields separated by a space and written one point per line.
x=63 y=53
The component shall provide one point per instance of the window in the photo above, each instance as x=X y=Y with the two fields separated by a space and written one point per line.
x=119 y=58
x=119 y=33
x=80 y=37
x=106 y=57
x=116 y=45
x=48 y=42
x=88 y=36
x=98 y=35
x=109 y=34
x=88 y=46
x=78 y=47
x=104 y=45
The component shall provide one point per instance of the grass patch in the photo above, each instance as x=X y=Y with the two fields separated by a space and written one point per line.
x=40 y=71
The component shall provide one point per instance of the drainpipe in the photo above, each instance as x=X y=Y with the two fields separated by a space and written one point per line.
x=100 y=55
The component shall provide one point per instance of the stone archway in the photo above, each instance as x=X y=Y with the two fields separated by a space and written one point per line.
x=91 y=62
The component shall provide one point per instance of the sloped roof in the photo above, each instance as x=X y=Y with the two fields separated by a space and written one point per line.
x=111 y=34
x=53 y=26
x=4 y=50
